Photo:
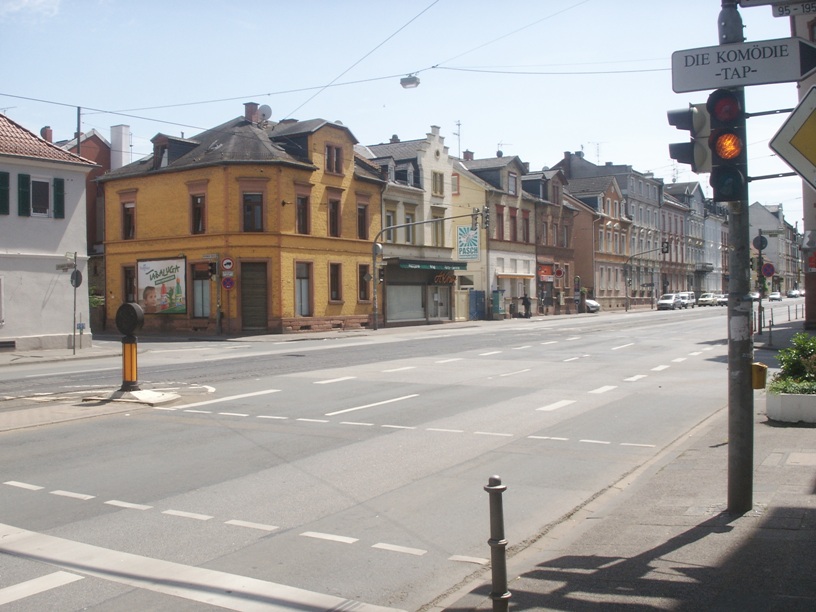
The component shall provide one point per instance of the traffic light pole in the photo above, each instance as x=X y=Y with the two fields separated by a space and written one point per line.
x=740 y=310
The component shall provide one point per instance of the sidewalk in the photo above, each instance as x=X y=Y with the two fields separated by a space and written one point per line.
x=662 y=539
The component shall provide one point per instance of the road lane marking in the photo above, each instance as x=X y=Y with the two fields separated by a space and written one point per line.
x=595 y=441
x=633 y=444
x=695 y=353
x=397 y=427
x=445 y=430
x=464 y=559
x=37 y=585
x=200 y=411
x=23 y=485
x=560 y=439
x=556 y=405
x=574 y=338
x=572 y=359
x=518 y=348
x=73 y=495
x=334 y=380
x=679 y=360
x=124 y=504
x=251 y=525
x=603 y=389
x=202 y=585
x=489 y=353
x=235 y=414
x=402 y=369
x=622 y=346
x=267 y=416
x=635 y=378
x=190 y=515
x=389 y=401
x=313 y=420
x=449 y=360
x=490 y=433
x=514 y=373
x=329 y=536
x=401 y=549
x=660 y=368
x=229 y=398
x=550 y=342
x=355 y=423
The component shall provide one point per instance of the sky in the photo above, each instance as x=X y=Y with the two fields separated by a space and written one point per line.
x=532 y=78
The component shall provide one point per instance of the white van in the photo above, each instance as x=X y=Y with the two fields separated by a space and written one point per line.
x=687 y=298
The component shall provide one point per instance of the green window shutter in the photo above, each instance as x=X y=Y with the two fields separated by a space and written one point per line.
x=5 y=177
x=59 y=198
x=24 y=195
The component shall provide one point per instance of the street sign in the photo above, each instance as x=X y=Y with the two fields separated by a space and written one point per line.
x=783 y=60
x=66 y=266
x=227 y=264
x=795 y=142
x=559 y=273
x=768 y=270
x=794 y=8
x=76 y=278
x=228 y=283
x=760 y=243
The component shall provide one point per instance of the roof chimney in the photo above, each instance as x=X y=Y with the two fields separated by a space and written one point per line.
x=467 y=155
x=47 y=133
x=251 y=111
x=394 y=139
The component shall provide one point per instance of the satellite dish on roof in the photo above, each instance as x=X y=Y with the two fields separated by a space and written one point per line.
x=264 y=112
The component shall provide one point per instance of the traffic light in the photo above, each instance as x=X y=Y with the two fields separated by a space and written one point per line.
x=486 y=217
x=696 y=120
x=474 y=220
x=664 y=247
x=729 y=159
x=381 y=273
x=213 y=267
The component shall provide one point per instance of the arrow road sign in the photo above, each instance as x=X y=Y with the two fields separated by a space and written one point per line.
x=783 y=60
x=795 y=142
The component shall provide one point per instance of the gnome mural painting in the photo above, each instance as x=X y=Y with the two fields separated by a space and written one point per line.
x=162 y=286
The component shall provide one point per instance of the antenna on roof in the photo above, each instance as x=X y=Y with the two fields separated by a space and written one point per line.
x=264 y=113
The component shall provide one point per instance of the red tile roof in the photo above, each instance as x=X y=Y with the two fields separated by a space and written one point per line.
x=17 y=141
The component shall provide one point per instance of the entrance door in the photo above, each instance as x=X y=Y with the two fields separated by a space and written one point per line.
x=254 y=300
x=439 y=302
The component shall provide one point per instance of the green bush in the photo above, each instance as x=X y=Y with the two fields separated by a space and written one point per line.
x=797 y=363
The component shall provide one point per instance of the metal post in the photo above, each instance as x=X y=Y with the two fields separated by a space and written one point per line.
x=740 y=307
x=129 y=366
x=498 y=544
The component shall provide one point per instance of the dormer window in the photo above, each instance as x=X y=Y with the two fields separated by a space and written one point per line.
x=410 y=175
x=334 y=159
x=512 y=183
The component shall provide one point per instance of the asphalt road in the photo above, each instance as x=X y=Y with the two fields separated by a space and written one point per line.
x=349 y=469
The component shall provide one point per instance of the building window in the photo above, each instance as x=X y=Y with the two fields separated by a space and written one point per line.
x=303 y=289
x=253 y=212
x=362 y=221
x=129 y=284
x=40 y=198
x=390 y=221
x=513 y=225
x=363 y=282
x=525 y=227
x=555 y=235
x=197 y=202
x=302 y=214
x=438 y=229
x=335 y=283
x=512 y=183
x=201 y=291
x=566 y=238
x=128 y=220
x=455 y=184
x=544 y=229
x=499 y=222
x=438 y=183
x=334 y=217
x=5 y=196
x=409 y=229
x=334 y=159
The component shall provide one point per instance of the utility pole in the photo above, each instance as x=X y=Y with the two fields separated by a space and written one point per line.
x=740 y=310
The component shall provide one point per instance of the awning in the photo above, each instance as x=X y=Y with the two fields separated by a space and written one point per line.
x=514 y=275
x=425 y=264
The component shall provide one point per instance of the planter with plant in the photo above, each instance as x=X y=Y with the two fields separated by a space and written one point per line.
x=791 y=395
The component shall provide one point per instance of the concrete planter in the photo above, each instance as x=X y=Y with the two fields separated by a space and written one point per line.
x=791 y=407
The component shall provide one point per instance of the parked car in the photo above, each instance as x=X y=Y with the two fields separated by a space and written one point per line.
x=775 y=296
x=754 y=295
x=707 y=299
x=592 y=306
x=688 y=299
x=793 y=293
x=669 y=301
x=722 y=299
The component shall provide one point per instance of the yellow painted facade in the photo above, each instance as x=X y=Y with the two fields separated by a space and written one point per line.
x=161 y=202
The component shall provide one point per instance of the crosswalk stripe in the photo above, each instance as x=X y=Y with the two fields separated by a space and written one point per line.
x=37 y=585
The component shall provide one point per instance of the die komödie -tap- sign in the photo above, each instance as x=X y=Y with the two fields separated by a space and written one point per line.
x=161 y=285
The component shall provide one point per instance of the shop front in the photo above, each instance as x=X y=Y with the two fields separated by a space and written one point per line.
x=418 y=291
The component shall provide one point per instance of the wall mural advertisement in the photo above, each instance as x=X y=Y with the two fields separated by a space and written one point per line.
x=162 y=285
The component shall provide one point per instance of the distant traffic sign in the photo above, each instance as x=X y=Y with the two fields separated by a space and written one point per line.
x=782 y=60
x=788 y=9
x=795 y=142
x=768 y=270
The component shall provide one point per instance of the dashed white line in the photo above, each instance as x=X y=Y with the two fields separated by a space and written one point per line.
x=556 y=405
x=128 y=505
x=464 y=559
x=235 y=414
x=490 y=433
x=269 y=416
x=595 y=441
x=445 y=430
x=574 y=338
x=227 y=399
x=354 y=423
x=200 y=411
x=401 y=549
x=328 y=536
x=635 y=378
x=679 y=360
x=37 y=585
x=313 y=420
x=73 y=495
x=633 y=444
x=334 y=380
x=400 y=369
x=251 y=525
x=518 y=348
x=22 y=485
x=559 y=439
x=549 y=342
x=514 y=373
x=449 y=360
x=615 y=348
x=389 y=401
x=660 y=368
x=603 y=389
x=397 y=427
x=572 y=359
x=695 y=353
x=489 y=353
x=189 y=515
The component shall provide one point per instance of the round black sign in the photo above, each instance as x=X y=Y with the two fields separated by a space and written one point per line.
x=76 y=278
x=129 y=318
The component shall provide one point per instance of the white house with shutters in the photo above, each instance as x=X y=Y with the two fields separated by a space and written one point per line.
x=42 y=234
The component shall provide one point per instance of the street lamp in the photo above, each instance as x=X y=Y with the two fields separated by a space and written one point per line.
x=409 y=82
